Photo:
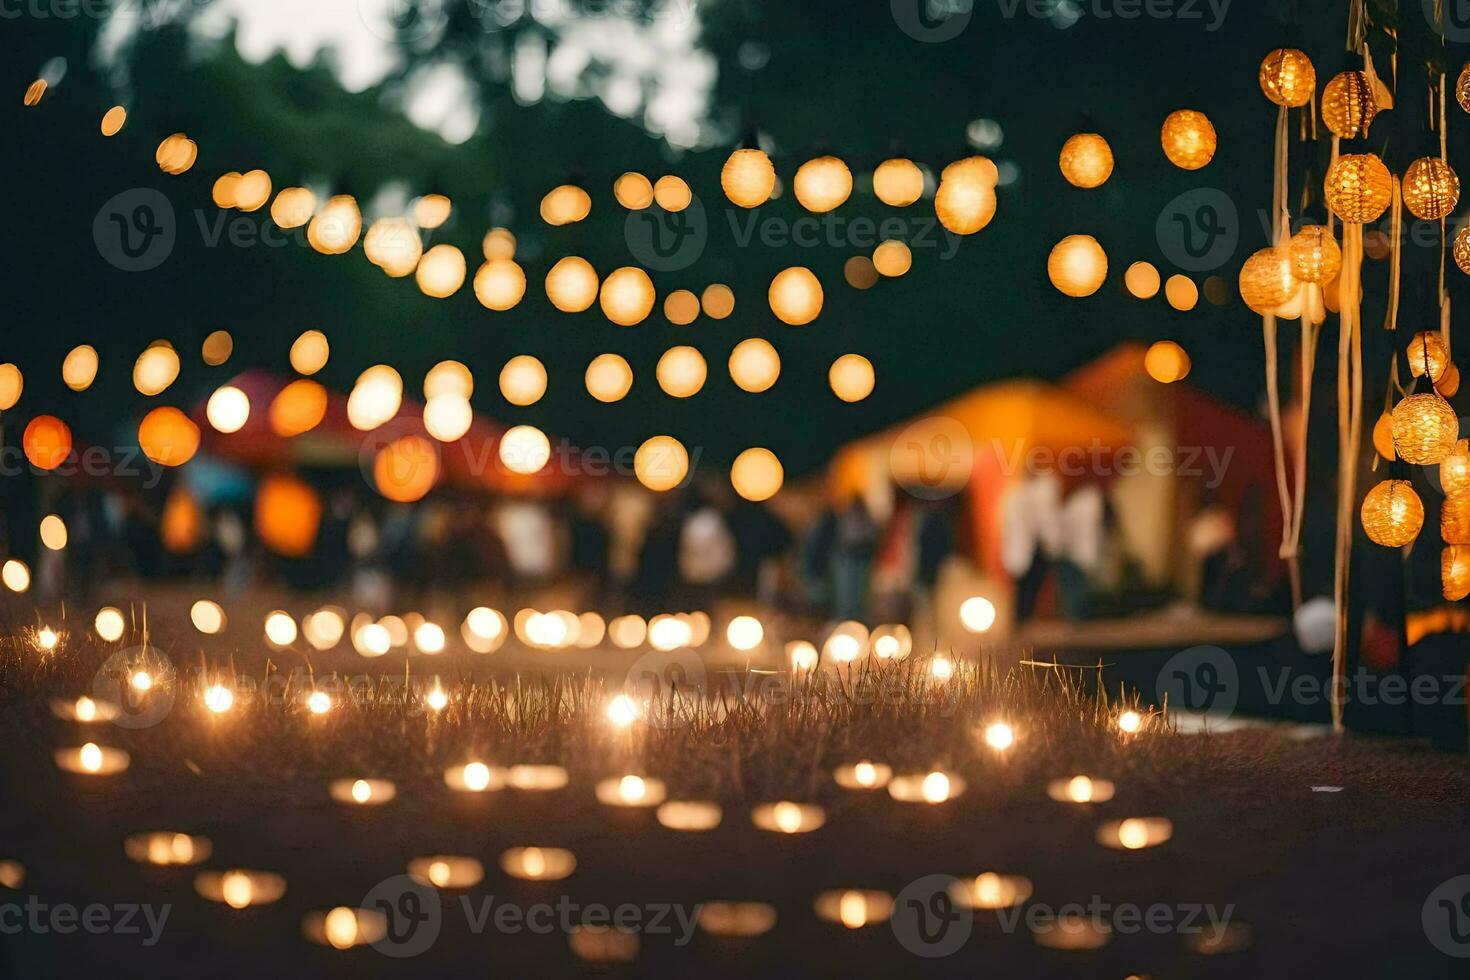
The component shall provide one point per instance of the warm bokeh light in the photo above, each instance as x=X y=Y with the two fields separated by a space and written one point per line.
x=523 y=380
x=788 y=818
x=795 y=296
x=228 y=409
x=822 y=184
x=851 y=377
x=393 y=245
x=898 y=182
x=748 y=177
x=745 y=633
x=500 y=284
x=299 y=407
x=572 y=284
x=53 y=532
x=16 y=575
x=207 y=616
x=1086 y=160
x=965 y=201
x=110 y=624
x=565 y=205
x=524 y=449
x=168 y=436
x=12 y=383
x=718 y=301
x=335 y=227
x=633 y=191
x=1142 y=280
x=79 y=369
x=293 y=207
x=892 y=258
x=627 y=296
x=1166 y=362
x=375 y=398
x=309 y=352
x=977 y=614
x=681 y=371
x=156 y=368
x=757 y=474
x=661 y=463
x=754 y=365
x=431 y=210
x=406 y=469
x=681 y=307
x=608 y=377
x=1181 y=292
x=113 y=120
x=672 y=193
x=1188 y=139
x=441 y=272
x=1077 y=265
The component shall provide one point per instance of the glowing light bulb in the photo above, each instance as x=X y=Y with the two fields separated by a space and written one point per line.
x=999 y=736
x=1130 y=722
x=219 y=699
x=91 y=757
x=319 y=703
x=621 y=711
x=935 y=787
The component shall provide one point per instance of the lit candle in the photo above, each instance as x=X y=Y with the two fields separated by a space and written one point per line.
x=319 y=702
x=603 y=944
x=474 y=777
x=854 y=909
x=436 y=700
x=632 y=791
x=218 y=699
x=788 y=818
x=362 y=792
x=47 y=639
x=999 y=736
x=1130 y=722
x=1080 y=789
x=447 y=871
x=343 y=928
x=239 y=888
x=92 y=760
x=622 y=711
x=932 y=787
x=990 y=891
x=84 y=709
x=536 y=778
x=1135 y=833
x=1072 y=932
x=538 y=863
x=735 y=920
x=863 y=775
x=167 y=849
x=691 y=815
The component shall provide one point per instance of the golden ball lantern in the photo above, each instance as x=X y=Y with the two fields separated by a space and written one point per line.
x=965 y=201
x=288 y=514
x=1086 y=160
x=672 y=193
x=1425 y=429
x=822 y=184
x=898 y=182
x=1188 y=139
x=681 y=307
x=334 y=229
x=571 y=284
x=12 y=383
x=1430 y=188
x=627 y=296
x=754 y=365
x=681 y=371
x=1427 y=355
x=1392 y=514
x=1383 y=437
x=441 y=271
x=717 y=300
x=1358 y=187
x=293 y=207
x=500 y=284
x=176 y=154
x=46 y=442
x=1142 y=280
x=661 y=463
x=757 y=474
x=748 y=177
x=851 y=377
x=1462 y=88
x=523 y=380
x=406 y=469
x=1349 y=104
x=795 y=295
x=1181 y=292
x=1288 y=78
x=1461 y=249
x=1266 y=281
x=498 y=243
x=431 y=210
x=1315 y=255
x=1077 y=265
x=608 y=378
x=892 y=258
x=1166 y=362
x=1454 y=566
x=1454 y=469
x=393 y=245
x=1454 y=518
x=1449 y=385
x=565 y=205
x=168 y=436
x=633 y=191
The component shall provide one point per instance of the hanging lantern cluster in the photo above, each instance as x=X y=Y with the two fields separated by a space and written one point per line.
x=1425 y=429
x=1086 y=160
x=1315 y=255
x=1358 y=187
x=1349 y=104
x=1392 y=514
x=1431 y=189
x=1266 y=280
x=1288 y=78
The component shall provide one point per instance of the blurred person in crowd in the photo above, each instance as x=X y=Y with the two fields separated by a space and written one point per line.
x=528 y=535
x=814 y=559
x=761 y=542
x=630 y=510
x=1084 y=539
x=1032 y=536
x=372 y=588
x=590 y=541
x=707 y=548
x=854 y=541
x=658 y=558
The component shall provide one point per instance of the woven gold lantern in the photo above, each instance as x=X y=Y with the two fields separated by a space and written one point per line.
x=1266 y=281
x=795 y=296
x=965 y=200
x=1425 y=429
x=898 y=182
x=1454 y=518
x=1349 y=104
x=627 y=296
x=1383 y=437
x=1431 y=189
x=1462 y=249
x=1462 y=88
x=1077 y=265
x=1315 y=256
x=1288 y=78
x=1454 y=469
x=571 y=284
x=1086 y=160
x=1358 y=187
x=1427 y=354
x=822 y=183
x=1449 y=385
x=1188 y=139
x=748 y=177
x=1392 y=514
x=1454 y=567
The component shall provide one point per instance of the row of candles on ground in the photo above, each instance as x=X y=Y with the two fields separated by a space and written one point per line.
x=344 y=927
x=485 y=629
